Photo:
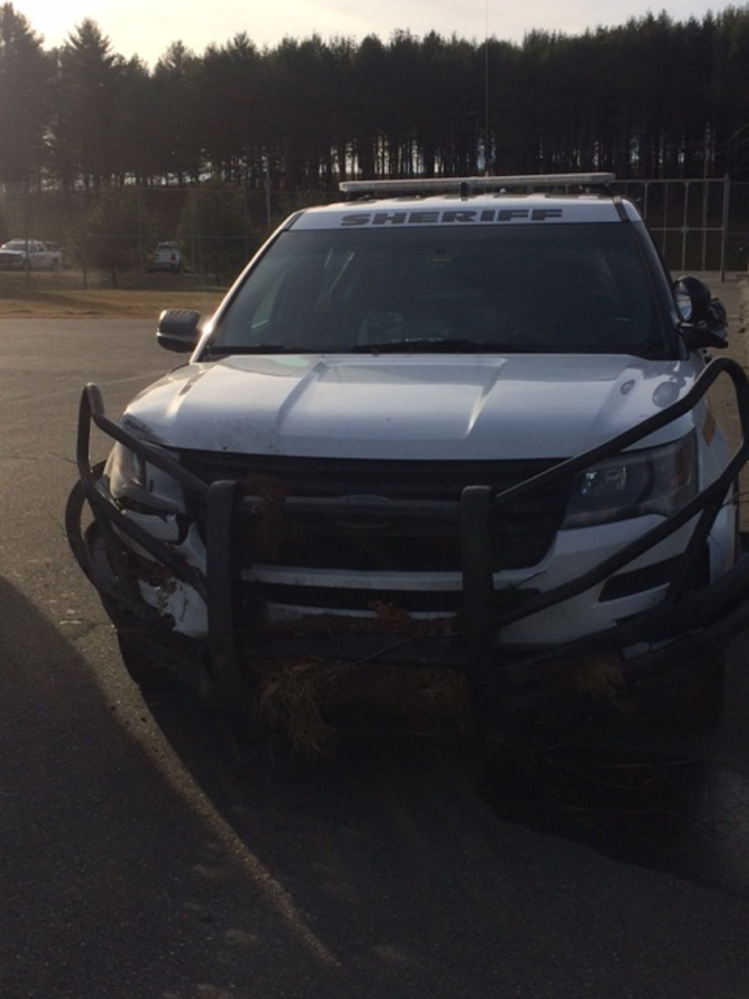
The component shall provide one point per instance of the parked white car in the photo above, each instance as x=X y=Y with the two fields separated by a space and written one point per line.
x=460 y=423
x=29 y=254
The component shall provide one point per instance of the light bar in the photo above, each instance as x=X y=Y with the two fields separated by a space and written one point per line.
x=472 y=185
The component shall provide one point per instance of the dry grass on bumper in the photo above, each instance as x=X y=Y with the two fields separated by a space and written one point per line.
x=309 y=701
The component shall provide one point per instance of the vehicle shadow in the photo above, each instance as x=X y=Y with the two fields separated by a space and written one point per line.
x=116 y=878
x=660 y=800
x=685 y=815
x=394 y=842
x=148 y=851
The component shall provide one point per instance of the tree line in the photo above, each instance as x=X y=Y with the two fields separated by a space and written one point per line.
x=651 y=98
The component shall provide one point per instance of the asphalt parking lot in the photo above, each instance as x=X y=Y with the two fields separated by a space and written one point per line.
x=145 y=854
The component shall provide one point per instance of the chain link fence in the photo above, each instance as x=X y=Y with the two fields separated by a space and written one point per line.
x=698 y=224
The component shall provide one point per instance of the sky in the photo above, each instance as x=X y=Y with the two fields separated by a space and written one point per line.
x=146 y=28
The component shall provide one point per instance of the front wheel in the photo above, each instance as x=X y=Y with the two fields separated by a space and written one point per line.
x=703 y=709
x=143 y=668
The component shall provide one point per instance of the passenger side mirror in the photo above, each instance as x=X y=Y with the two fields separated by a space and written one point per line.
x=178 y=330
x=702 y=319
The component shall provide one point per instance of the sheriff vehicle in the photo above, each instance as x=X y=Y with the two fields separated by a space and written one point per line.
x=462 y=423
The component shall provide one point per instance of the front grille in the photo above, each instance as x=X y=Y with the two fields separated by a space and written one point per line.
x=520 y=535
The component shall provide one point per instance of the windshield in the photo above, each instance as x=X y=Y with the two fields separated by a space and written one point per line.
x=561 y=288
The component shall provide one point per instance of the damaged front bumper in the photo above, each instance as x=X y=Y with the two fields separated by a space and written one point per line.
x=675 y=643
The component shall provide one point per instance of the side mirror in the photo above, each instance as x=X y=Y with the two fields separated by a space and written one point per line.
x=178 y=330
x=702 y=319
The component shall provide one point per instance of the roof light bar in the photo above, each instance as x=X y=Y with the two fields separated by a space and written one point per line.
x=472 y=185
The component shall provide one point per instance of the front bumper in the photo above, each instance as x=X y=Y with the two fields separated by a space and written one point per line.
x=675 y=643
x=12 y=262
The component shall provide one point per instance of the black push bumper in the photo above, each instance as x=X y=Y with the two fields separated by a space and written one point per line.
x=680 y=637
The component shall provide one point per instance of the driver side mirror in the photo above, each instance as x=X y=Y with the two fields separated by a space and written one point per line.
x=702 y=319
x=178 y=330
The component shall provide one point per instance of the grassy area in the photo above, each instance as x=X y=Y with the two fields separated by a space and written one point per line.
x=66 y=295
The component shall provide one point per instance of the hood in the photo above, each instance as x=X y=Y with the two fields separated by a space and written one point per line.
x=417 y=407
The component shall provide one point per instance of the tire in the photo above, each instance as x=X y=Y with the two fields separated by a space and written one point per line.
x=142 y=667
x=704 y=708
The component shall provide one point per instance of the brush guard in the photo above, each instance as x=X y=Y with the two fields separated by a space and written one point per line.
x=700 y=620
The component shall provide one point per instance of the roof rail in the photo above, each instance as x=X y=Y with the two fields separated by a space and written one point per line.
x=465 y=186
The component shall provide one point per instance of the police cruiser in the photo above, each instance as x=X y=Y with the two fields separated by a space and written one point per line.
x=461 y=423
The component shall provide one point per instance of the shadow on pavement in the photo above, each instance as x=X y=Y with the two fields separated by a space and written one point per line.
x=116 y=878
x=146 y=853
x=416 y=862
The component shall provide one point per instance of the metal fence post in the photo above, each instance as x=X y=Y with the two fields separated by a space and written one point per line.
x=724 y=226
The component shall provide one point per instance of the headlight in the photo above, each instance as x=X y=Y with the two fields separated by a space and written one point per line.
x=660 y=480
x=137 y=485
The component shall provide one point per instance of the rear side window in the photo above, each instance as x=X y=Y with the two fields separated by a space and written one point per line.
x=562 y=288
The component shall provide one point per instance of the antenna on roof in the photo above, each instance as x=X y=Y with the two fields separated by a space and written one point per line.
x=486 y=88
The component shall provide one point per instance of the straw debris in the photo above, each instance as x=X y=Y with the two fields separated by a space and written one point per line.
x=310 y=701
x=599 y=677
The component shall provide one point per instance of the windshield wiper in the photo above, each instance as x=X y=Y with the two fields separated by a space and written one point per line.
x=226 y=350
x=417 y=345
x=429 y=345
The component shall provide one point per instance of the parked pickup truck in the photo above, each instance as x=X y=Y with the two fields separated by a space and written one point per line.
x=29 y=254
x=166 y=257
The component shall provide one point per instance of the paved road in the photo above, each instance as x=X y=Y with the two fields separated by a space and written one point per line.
x=144 y=856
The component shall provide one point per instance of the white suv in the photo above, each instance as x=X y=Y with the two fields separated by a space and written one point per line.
x=461 y=423
x=166 y=257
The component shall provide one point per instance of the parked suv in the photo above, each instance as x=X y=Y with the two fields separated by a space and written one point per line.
x=462 y=423
x=166 y=257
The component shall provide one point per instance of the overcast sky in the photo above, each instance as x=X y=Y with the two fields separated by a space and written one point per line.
x=146 y=28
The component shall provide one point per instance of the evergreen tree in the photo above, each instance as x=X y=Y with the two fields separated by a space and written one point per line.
x=25 y=74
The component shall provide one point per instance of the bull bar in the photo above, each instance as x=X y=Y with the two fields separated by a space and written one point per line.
x=693 y=622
